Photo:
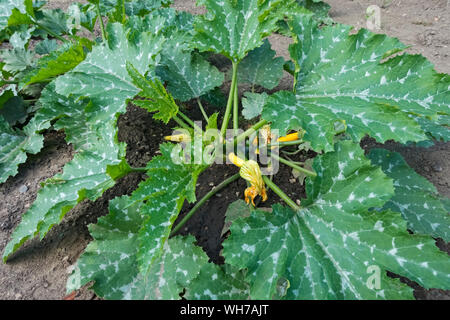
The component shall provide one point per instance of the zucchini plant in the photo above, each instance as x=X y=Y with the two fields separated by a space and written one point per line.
x=363 y=215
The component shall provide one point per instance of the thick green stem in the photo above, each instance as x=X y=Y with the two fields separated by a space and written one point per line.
x=227 y=115
x=181 y=123
x=50 y=32
x=285 y=144
x=250 y=131
x=202 y=201
x=202 y=110
x=186 y=118
x=189 y=121
x=294 y=166
x=280 y=193
x=102 y=26
x=236 y=108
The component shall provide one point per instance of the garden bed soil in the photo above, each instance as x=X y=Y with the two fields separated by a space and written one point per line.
x=39 y=270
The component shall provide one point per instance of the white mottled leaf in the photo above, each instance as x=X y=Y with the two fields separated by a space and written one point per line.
x=110 y=260
x=260 y=67
x=252 y=104
x=415 y=197
x=218 y=282
x=344 y=77
x=330 y=248
x=235 y=27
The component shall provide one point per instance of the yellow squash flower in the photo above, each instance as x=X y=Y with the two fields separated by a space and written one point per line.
x=290 y=137
x=251 y=172
x=178 y=138
x=268 y=137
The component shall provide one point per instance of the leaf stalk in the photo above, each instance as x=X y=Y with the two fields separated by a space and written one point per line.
x=280 y=193
x=202 y=201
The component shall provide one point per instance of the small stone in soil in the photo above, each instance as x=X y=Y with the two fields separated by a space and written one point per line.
x=23 y=189
x=292 y=180
x=437 y=168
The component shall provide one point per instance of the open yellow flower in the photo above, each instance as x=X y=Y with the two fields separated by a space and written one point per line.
x=251 y=172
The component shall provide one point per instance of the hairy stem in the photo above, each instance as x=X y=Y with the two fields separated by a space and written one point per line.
x=186 y=118
x=280 y=193
x=227 y=115
x=202 y=110
x=102 y=26
x=294 y=166
x=236 y=108
x=202 y=201
x=181 y=123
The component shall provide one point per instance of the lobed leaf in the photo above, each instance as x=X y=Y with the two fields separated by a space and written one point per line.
x=415 y=197
x=165 y=191
x=158 y=99
x=331 y=247
x=235 y=27
x=252 y=104
x=6 y=9
x=342 y=77
x=188 y=74
x=260 y=67
x=57 y=63
x=218 y=282
x=110 y=260
x=91 y=127
x=14 y=144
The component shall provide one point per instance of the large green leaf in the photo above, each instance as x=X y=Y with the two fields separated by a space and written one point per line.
x=91 y=127
x=252 y=104
x=319 y=8
x=415 y=197
x=111 y=259
x=57 y=62
x=165 y=191
x=188 y=75
x=260 y=67
x=216 y=282
x=437 y=128
x=6 y=9
x=16 y=60
x=343 y=77
x=158 y=99
x=331 y=248
x=103 y=76
x=86 y=176
x=235 y=27
x=14 y=144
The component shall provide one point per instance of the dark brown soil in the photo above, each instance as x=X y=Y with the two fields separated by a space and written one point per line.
x=40 y=269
